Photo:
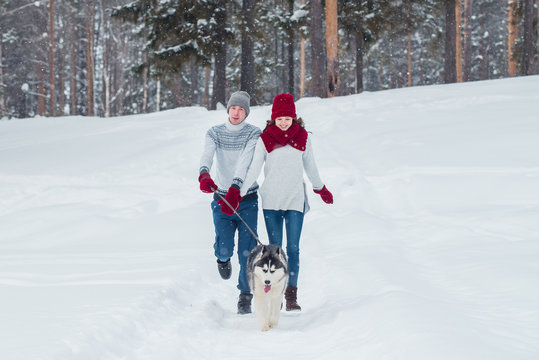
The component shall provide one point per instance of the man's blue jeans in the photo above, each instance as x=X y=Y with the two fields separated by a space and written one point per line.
x=225 y=230
x=294 y=223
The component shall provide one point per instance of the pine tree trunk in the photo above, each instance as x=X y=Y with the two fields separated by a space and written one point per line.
x=359 y=55
x=105 y=70
x=193 y=98
x=458 y=39
x=467 y=53
x=527 y=46
x=40 y=63
x=61 y=82
x=511 y=37
x=219 y=80
x=317 y=50
x=290 y=50
x=207 y=87
x=90 y=57
x=121 y=88
x=302 y=69
x=2 y=85
x=73 y=67
x=410 y=57
x=158 y=96
x=450 y=73
x=42 y=96
x=52 y=95
x=284 y=72
x=332 y=46
x=145 y=82
x=106 y=84
x=177 y=89
x=276 y=60
x=247 y=81
x=483 y=75
x=302 y=64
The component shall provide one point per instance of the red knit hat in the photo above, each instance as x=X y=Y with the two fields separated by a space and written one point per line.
x=283 y=105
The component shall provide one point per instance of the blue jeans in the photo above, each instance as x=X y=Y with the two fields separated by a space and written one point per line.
x=225 y=229
x=294 y=223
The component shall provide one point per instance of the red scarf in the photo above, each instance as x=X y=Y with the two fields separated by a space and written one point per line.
x=275 y=138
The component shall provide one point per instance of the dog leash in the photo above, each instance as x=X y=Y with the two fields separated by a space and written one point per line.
x=238 y=215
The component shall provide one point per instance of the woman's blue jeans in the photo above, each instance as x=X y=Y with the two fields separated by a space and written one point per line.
x=294 y=223
x=225 y=230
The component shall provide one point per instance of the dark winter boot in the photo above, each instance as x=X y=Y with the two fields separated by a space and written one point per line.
x=290 y=295
x=225 y=269
x=244 y=303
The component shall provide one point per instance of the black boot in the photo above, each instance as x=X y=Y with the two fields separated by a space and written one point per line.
x=225 y=269
x=290 y=295
x=244 y=303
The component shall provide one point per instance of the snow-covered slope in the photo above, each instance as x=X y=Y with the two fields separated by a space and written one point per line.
x=429 y=252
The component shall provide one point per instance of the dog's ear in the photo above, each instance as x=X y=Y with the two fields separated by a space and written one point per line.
x=263 y=249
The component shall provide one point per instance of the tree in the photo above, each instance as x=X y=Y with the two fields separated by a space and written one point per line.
x=458 y=39
x=90 y=69
x=3 y=109
x=467 y=42
x=160 y=54
x=247 y=57
x=413 y=17
x=40 y=63
x=290 y=40
x=351 y=20
x=73 y=99
x=106 y=98
x=317 y=49
x=177 y=32
x=512 y=33
x=450 y=75
x=302 y=63
x=332 y=48
x=52 y=93
x=219 y=79
x=527 y=45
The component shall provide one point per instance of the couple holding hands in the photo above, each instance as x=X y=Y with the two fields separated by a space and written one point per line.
x=240 y=151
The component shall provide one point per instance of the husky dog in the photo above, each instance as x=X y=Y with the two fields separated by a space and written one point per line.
x=267 y=273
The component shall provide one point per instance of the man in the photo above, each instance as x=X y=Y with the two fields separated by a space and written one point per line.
x=232 y=144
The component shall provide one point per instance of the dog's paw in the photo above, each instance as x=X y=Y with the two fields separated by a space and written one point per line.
x=265 y=328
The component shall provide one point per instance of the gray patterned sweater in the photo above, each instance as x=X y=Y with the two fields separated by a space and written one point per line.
x=233 y=147
x=283 y=187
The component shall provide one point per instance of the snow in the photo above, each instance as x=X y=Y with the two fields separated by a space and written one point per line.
x=429 y=251
x=299 y=14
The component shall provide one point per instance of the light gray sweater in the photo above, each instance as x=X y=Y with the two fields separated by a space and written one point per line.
x=283 y=187
x=233 y=147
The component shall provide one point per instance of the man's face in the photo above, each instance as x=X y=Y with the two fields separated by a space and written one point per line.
x=236 y=115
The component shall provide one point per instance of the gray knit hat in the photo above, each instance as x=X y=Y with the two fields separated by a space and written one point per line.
x=239 y=98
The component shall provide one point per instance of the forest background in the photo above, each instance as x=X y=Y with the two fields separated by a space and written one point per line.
x=118 y=57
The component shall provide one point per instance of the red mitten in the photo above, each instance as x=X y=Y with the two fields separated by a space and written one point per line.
x=206 y=183
x=233 y=198
x=326 y=196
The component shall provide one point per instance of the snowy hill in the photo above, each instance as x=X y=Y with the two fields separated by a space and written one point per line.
x=429 y=252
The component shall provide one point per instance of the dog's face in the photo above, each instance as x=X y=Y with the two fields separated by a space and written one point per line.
x=270 y=268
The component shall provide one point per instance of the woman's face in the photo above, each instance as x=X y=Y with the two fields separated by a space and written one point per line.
x=283 y=122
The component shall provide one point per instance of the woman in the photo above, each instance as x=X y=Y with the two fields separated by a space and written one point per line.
x=285 y=150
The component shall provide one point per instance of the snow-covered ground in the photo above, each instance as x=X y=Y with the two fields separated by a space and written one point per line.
x=430 y=250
